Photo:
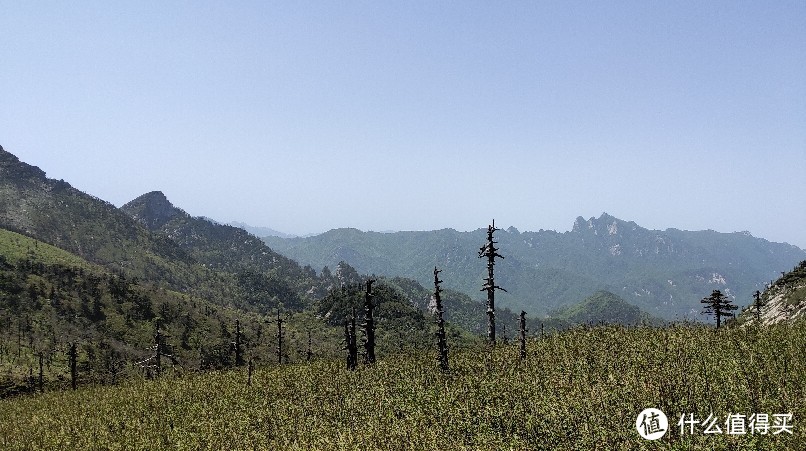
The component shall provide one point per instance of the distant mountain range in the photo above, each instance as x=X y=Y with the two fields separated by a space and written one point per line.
x=74 y=268
x=665 y=273
x=261 y=231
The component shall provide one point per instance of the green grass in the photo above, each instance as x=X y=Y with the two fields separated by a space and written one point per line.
x=581 y=389
x=16 y=247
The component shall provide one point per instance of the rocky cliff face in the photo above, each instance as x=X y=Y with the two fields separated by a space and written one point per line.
x=784 y=300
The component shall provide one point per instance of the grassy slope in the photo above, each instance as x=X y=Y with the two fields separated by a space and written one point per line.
x=15 y=247
x=607 y=307
x=581 y=389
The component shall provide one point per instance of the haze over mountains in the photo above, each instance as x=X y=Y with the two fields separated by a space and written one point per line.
x=260 y=231
x=665 y=273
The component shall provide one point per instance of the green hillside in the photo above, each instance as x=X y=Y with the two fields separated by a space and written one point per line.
x=82 y=271
x=222 y=264
x=54 y=212
x=604 y=307
x=50 y=299
x=15 y=247
x=264 y=278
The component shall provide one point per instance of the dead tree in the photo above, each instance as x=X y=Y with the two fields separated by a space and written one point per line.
x=19 y=339
x=522 y=332
x=250 y=369
x=350 y=344
x=757 y=305
x=490 y=252
x=41 y=372
x=280 y=336
x=72 y=356
x=368 y=325
x=237 y=345
x=309 y=351
x=442 y=344
x=153 y=364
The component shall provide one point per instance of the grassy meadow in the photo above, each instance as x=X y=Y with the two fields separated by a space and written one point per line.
x=579 y=389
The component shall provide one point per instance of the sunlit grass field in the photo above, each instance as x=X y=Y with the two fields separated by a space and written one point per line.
x=580 y=389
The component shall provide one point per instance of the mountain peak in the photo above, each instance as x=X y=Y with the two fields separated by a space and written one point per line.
x=604 y=225
x=152 y=210
x=14 y=169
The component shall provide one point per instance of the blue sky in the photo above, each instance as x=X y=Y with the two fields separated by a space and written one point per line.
x=307 y=116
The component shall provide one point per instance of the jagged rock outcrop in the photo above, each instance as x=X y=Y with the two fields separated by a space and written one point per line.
x=784 y=300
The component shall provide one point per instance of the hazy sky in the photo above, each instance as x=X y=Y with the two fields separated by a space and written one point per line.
x=307 y=116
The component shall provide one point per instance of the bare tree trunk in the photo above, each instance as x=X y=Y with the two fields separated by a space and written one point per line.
x=158 y=354
x=491 y=252
x=160 y=350
x=309 y=351
x=280 y=322
x=41 y=372
x=523 y=335
x=442 y=345
x=757 y=305
x=347 y=346
x=350 y=343
x=237 y=344
x=73 y=357
x=369 y=324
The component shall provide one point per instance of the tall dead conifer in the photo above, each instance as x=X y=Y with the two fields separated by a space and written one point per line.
x=309 y=350
x=154 y=362
x=73 y=359
x=250 y=369
x=369 y=324
x=490 y=252
x=757 y=305
x=522 y=332
x=41 y=371
x=442 y=344
x=280 y=336
x=237 y=345
x=350 y=344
